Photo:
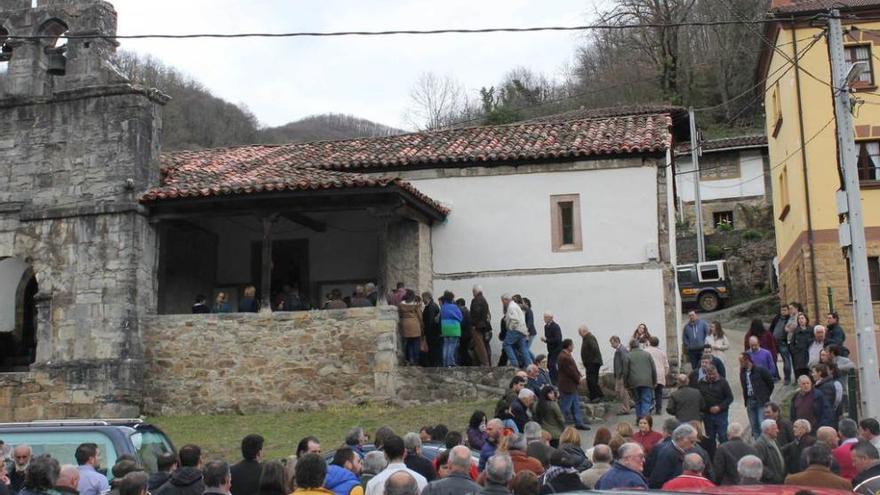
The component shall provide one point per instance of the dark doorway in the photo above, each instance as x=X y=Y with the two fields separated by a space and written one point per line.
x=290 y=265
x=18 y=349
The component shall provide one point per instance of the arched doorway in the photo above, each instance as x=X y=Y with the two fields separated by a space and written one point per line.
x=18 y=315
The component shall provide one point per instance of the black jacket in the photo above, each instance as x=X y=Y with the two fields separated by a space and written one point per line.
x=667 y=466
x=762 y=384
x=157 y=479
x=421 y=465
x=800 y=348
x=564 y=482
x=480 y=314
x=590 y=352
x=727 y=455
x=430 y=321
x=184 y=481
x=553 y=335
x=245 y=477
x=715 y=394
x=520 y=414
x=792 y=452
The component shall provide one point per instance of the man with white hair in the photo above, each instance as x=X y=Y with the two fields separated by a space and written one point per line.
x=481 y=319
x=517 y=333
x=627 y=471
x=517 y=446
x=670 y=459
x=729 y=453
x=374 y=462
x=793 y=451
x=553 y=338
x=750 y=469
x=691 y=476
x=591 y=357
x=21 y=458
x=520 y=408
x=414 y=459
x=499 y=473
x=459 y=480
x=68 y=480
x=770 y=453
x=818 y=344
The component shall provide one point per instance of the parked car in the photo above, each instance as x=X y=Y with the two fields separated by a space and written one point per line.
x=114 y=438
x=706 y=285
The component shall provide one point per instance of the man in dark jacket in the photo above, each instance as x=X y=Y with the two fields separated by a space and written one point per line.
x=165 y=464
x=786 y=427
x=670 y=459
x=569 y=380
x=626 y=472
x=757 y=385
x=620 y=357
x=718 y=397
x=218 y=479
x=499 y=474
x=431 y=324
x=482 y=322
x=810 y=404
x=835 y=334
x=669 y=427
x=553 y=338
x=793 y=451
x=728 y=455
x=640 y=374
x=466 y=344
x=414 y=459
x=770 y=453
x=777 y=328
x=458 y=481
x=246 y=474
x=591 y=356
x=686 y=403
x=187 y=479
x=519 y=408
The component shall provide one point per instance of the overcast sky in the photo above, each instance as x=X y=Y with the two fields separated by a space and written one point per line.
x=282 y=80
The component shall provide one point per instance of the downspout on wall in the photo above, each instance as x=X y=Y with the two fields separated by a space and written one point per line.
x=673 y=253
x=814 y=285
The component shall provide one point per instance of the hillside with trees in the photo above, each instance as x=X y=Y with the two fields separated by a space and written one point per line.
x=325 y=126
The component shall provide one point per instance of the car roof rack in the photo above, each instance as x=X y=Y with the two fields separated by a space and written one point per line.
x=78 y=422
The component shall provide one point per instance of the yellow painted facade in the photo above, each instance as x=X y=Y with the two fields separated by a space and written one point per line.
x=805 y=177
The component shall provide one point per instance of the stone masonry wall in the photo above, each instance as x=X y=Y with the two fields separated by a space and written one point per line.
x=199 y=364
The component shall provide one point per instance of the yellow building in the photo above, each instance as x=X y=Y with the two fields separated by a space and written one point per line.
x=796 y=79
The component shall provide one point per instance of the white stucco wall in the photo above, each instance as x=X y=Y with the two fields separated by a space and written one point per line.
x=503 y=222
x=750 y=182
x=610 y=303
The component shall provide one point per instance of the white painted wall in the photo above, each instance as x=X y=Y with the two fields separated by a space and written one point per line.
x=750 y=182
x=503 y=222
x=609 y=302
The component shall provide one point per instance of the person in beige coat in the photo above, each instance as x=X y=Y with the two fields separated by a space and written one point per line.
x=411 y=326
x=661 y=364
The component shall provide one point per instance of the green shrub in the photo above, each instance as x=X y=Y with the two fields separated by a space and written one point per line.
x=752 y=235
x=724 y=226
x=714 y=252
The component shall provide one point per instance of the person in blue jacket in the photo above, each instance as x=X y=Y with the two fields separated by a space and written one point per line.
x=342 y=473
x=626 y=472
x=450 y=328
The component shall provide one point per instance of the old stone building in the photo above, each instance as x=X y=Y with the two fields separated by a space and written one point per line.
x=104 y=244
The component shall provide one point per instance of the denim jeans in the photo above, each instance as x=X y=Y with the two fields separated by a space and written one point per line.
x=756 y=415
x=786 y=363
x=450 y=350
x=571 y=408
x=694 y=357
x=658 y=400
x=512 y=340
x=413 y=346
x=644 y=401
x=716 y=426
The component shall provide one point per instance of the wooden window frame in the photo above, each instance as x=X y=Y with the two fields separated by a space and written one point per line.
x=866 y=183
x=783 y=193
x=777 y=109
x=556 y=223
x=863 y=85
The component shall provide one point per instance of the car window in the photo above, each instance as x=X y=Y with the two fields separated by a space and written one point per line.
x=709 y=273
x=150 y=444
x=62 y=445
x=685 y=276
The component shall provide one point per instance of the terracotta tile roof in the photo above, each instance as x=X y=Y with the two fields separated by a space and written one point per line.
x=811 y=6
x=196 y=178
x=753 y=141
x=593 y=113
x=331 y=164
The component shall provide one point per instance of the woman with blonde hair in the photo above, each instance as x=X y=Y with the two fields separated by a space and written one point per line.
x=708 y=444
x=248 y=303
x=570 y=443
x=717 y=340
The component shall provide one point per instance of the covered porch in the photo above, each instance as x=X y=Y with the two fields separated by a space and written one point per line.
x=325 y=231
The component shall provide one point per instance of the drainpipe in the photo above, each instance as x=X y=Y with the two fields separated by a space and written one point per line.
x=810 y=235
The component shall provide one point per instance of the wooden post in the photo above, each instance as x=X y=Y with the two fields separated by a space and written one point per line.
x=266 y=269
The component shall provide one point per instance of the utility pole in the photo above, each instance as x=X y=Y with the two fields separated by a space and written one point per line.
x=698 y=205
x=852 y=230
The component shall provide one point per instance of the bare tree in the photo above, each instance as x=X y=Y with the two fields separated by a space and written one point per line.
x=436 y=101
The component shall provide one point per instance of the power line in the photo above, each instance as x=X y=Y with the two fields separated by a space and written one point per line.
x=393 y=32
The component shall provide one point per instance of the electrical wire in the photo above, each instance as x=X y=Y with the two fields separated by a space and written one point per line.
x=393 y=32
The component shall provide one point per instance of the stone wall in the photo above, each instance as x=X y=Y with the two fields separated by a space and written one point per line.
x=199 y=364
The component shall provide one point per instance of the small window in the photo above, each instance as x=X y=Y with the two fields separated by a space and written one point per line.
x=784 y=206
x=869 y=160
x=565 y=231
x=709 y=273
x=861 y=54
x=722 y=218
x=776 y=109
x=874 y=277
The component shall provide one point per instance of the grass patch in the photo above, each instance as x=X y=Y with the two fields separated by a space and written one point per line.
x=220 y=435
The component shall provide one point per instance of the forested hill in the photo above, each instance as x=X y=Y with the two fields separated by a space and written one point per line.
x=195 y=118
x=326 y=126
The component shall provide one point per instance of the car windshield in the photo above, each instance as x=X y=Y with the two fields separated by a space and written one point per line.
x=150 y=444
x=62 y=445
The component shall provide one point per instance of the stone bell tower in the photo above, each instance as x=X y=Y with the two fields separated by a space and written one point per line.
x=78 y=141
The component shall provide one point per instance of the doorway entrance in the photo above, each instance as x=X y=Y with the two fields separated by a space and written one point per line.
x=290 y=266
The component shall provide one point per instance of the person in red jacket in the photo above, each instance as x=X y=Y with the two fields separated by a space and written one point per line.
x=691 y=476
x=848 y=431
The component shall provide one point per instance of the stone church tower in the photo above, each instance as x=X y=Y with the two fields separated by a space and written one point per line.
x=78 y=141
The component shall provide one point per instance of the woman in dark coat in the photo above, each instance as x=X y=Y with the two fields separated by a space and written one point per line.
x=563 y=474
x=570 y=443
x=800 y=347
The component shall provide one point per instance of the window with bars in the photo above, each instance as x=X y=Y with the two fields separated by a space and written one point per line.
x=861 y=54
x=869 y=160
x=566 y=222
x=873 y=278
